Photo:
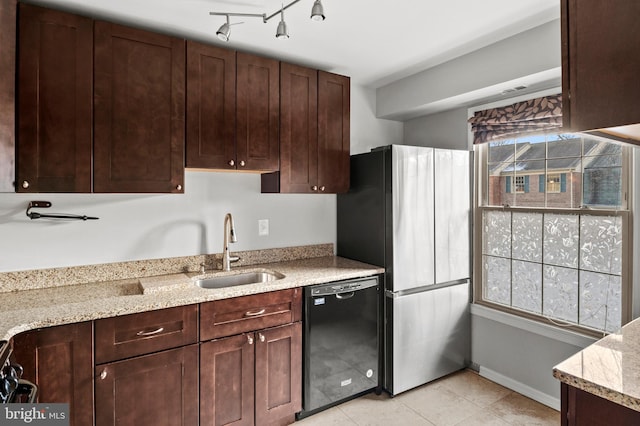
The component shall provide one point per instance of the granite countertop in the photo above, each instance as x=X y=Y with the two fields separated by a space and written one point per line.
x=609 y=368
x=29 y=309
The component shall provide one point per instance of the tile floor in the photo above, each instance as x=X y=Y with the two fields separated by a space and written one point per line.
x=462 y=399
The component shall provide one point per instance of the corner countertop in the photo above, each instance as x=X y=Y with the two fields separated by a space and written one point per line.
x=609 y=368
x=30 y=309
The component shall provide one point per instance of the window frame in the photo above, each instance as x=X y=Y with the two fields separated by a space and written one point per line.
x=481 y=189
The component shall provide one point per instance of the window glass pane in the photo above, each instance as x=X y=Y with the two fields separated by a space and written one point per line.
x=561 y=240
x=497 y=233
x=527 y=286
x=527 y=236
x=560 y=290
x=601 y=244
x=603 y=181
x=564 y=146
x=600 y=300
x=501 y=151
x=568 y=177
x=497 y=279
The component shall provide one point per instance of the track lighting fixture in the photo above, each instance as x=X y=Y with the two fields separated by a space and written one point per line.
x=223 y=33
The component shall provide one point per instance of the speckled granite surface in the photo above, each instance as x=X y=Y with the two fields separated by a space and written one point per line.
x=609 y=368
x=30 y=309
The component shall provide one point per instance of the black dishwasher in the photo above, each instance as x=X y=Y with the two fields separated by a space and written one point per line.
x=340 y=342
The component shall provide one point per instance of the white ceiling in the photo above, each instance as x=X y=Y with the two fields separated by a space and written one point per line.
x=374 y=42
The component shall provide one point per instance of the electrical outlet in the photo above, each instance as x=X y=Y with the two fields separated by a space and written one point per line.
x=263 y=227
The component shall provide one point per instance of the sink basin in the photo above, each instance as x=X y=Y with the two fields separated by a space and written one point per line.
x=242 y=278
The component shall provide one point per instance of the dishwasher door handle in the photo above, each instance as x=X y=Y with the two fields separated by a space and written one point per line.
x=343 y=296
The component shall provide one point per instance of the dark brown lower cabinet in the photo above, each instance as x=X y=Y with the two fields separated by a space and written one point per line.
x=156 y=389
x=585 y=409
x=252 y=378
x=60 y=360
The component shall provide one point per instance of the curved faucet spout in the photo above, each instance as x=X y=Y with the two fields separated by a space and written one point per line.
x=229 y=237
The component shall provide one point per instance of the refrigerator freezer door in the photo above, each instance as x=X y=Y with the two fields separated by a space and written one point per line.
x=452 y=215
x=413 y=217
x=431 y=336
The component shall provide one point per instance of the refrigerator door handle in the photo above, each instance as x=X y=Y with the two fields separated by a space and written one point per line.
x=342 y=296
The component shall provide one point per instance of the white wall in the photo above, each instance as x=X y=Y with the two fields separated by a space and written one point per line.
x=367 y=131
x=448 y=130
x=144 y=226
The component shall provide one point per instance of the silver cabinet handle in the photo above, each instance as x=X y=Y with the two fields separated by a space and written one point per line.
x=242 y=163
x=322 y=188
x=262 y=338
x=179 y=187
x=254 y=313
x=25 y=184
x=232 y=163
x=314 y=188
x=150 y=333
x=250 y=339
x=103 y=375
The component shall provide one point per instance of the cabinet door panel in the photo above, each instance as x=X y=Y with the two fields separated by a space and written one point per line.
x=55 y=104
x=227 y=381
x=158 y=389
x=139 y=110
x=600 y=66
x=257 y=113
x=298 y=129
x=334 y=97
x=211 y=106
x=60 y=361
x=278 y=374
x=8 y=14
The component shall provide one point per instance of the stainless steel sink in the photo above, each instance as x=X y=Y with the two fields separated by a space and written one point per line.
x=242 y=278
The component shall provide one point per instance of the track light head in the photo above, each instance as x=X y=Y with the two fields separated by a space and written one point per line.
x=224 y=31
x=317 y=11
x=281 y=32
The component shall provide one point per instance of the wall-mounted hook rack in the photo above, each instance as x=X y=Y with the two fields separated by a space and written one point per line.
x=45 y=205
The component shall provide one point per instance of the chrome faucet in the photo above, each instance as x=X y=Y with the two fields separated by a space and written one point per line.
x=229 y=237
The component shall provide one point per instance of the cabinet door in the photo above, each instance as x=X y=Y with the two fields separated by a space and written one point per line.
x=59 y=360
x=257 y=113
x=158 y=389
x=139 y=107
x=600 y=65
x=55 y=60
x=278 y=374
x=334 y=106
x=211 y=106
x=8 y=14
x=227 y=381
x=298 y=129
x=580 y=408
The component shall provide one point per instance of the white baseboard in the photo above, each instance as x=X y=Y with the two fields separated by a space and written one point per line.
x=521 y=388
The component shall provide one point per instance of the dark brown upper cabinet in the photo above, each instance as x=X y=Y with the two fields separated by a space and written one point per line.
x=211 y=107
x=139 y=110
x=232 y=110
x=8 y=14
x=55 y=60
x=314 y=133
x=600 y=66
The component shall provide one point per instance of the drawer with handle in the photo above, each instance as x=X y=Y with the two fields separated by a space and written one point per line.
x=137 y=334
x=237 y=315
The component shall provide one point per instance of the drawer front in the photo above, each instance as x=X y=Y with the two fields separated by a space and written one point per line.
x=137 y=334
x=227 y=317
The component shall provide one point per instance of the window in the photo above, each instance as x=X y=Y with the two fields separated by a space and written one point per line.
x=555 y=254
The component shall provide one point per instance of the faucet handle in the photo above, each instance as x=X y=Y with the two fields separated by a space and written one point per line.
x=234 y=259
x=202 y=268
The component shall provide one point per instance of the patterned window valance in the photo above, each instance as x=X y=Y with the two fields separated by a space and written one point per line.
x=538 y=115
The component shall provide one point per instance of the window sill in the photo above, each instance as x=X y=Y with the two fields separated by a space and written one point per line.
x=545 y=330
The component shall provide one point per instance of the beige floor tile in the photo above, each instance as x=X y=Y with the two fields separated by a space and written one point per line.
x=372 y=410
x=517 y=410
x=475 y=388
x=331 y=417
x=483 y=418
x=439 y=405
